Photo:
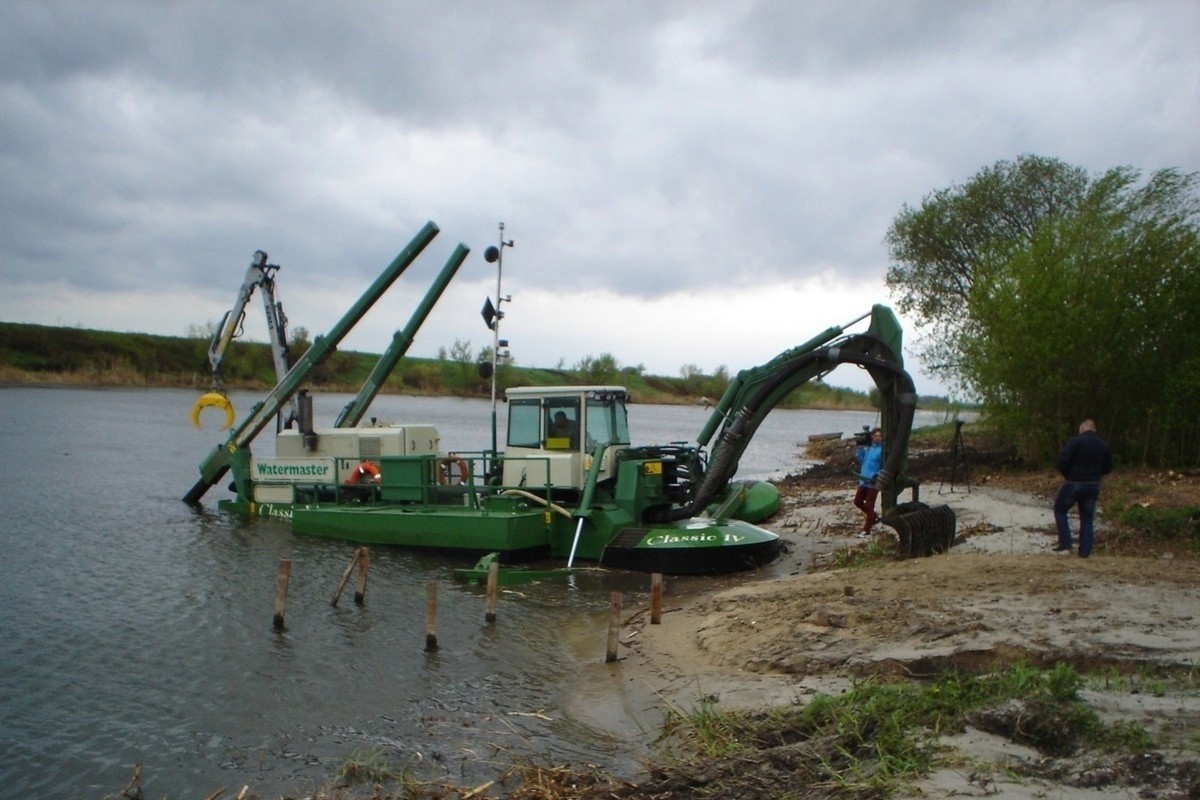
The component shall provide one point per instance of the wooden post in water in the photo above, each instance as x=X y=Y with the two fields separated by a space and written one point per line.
x=656 y=598
x=363 y=557
x=493 y=581
x=431 y=643
x=614 y=627
x=360 y=559
x=281 y=587
x=337 y=593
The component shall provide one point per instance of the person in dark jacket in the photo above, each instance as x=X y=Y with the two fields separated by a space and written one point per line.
x=1083 y=461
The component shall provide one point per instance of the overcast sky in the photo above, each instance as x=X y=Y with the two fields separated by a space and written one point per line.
x=701 y=183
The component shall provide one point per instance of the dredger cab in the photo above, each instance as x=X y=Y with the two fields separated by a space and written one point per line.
x=556 y=433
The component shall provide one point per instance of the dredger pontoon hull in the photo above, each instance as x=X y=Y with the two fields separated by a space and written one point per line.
x=699 y=546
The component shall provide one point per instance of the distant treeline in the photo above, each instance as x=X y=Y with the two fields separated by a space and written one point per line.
x=59 y=355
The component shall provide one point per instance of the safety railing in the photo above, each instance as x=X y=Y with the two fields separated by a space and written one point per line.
x=459 y=478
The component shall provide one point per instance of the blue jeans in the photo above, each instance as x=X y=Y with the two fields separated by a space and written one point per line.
x=1083 y=495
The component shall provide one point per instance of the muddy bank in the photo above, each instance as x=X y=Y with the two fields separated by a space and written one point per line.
x=1000 y=596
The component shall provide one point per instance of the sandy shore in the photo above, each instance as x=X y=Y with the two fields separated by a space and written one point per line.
x=999 y=596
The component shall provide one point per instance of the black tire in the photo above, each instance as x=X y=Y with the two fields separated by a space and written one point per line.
x=924 y=531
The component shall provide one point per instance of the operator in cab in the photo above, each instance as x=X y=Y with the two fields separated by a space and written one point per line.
x=562 y=427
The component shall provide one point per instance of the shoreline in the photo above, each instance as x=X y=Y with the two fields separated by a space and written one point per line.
x=783 y=635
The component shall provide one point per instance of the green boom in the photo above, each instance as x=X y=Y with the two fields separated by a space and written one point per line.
x=353 y=413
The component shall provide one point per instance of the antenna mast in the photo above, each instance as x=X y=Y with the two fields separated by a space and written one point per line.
x=492 y=314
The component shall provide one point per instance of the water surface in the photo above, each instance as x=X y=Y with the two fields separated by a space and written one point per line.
x=137 y=629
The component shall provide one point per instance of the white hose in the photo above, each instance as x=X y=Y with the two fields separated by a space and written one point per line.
x=575 y=543
x=557 y=508
x=531 y=496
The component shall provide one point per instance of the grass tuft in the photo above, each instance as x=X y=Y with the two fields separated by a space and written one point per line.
x=878 y=736
x=370 y=766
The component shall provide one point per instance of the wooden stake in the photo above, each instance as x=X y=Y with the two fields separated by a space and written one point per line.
x=135 y=783
x=492 y=582
x=431 y=643
x=614 y=627
x=281 y=587
x=363 y=557
x=360 y=559
x=656 y=598
x=337 y=593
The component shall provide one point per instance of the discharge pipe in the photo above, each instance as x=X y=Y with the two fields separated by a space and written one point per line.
x=354 y=411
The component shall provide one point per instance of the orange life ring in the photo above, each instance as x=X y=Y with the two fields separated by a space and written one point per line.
x=452 y=471
x=361 y=471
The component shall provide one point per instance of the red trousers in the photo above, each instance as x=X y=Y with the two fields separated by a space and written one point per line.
x=864 y=499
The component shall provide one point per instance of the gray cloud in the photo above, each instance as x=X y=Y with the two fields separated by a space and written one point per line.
x=638 y=149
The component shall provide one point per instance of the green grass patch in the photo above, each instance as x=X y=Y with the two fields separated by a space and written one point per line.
x=870 y=554
x=371 y=766
x=878 y=736
x=1179 y=525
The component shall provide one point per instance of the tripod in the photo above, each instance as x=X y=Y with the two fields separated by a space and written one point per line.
x=958 y=461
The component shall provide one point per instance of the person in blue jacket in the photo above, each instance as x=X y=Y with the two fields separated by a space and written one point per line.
x=870 y=461
x=1082 y=462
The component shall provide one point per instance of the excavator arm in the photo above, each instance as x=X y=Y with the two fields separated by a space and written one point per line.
x=259 y=275
x=756 y=391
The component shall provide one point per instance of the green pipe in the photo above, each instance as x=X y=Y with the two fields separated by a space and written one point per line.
x=720 y=410
x=354 y=411
x=589 y=483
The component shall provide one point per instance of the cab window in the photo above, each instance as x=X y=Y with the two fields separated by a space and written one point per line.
x=524 y=423
x=562 y=423
x=606 y=422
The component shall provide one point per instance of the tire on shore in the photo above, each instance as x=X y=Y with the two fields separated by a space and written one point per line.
x=922 y=531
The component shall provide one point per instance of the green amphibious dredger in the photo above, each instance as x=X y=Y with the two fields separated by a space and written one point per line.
x=568 y=483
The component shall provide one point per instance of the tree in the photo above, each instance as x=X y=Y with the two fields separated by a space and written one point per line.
x=941 y=248
x=1087 y=311
x=600 y=369
x=298 y=342
x=460 y=370
x=719 y=382
x=693 y=379
x=205 y=332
